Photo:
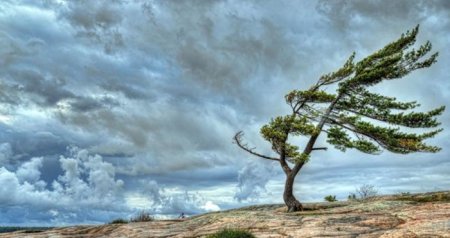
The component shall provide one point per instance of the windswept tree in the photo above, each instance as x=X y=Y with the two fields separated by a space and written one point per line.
x=352 y=117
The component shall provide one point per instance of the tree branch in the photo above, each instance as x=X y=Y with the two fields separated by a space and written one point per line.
x=238 y=140
x=325 y=116
x=380 y=143
x=283 y=163
x=309 y=147
x=320 y=148
x=296 y=108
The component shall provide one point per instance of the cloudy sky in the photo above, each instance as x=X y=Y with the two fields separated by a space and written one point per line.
x=111 y=107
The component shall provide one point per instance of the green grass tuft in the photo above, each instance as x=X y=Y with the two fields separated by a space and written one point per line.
x=231 y=233
x=330 y=198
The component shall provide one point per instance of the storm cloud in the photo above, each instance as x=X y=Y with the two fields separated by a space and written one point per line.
x=111 y=107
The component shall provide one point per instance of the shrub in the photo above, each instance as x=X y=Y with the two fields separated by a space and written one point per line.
x=351 y=197
x=330 y=198
x=143 y=216
x=231 y=233
x=366 y=191
x=119 y=221
x=405 y=194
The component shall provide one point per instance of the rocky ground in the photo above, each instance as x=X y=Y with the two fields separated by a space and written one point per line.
x=420 y=215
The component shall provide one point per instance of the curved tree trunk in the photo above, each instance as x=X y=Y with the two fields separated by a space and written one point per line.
x=291 y=202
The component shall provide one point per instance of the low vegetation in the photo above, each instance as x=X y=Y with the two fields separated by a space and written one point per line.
x=394 y=215
x=142 y=216
x=426 y=197
x=232 y=233
x=330 y=198
x=366 y=191
x=119 y=221
x=352 y=197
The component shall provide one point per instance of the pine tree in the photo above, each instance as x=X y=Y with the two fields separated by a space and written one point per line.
x=352 y=117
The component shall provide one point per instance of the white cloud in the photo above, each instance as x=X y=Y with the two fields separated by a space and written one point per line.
x=169 y=202
x=30 y=170
x=177 y=203
x=9 y=184
x=253 y=178
x=88 y=184
x=210 y=207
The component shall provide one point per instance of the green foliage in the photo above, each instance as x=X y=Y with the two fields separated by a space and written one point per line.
x=356 y=103
x=351 y=197
x=352 y=116
x=277 y=131
x=309 y=96
x=338 y=137
x=393 y=139
x=361 y=98
x=342 y=73
x=330 y=198
x=302 y=158
x=349 y=111
x=119 y=221
x=390 y=62
x=231 y=233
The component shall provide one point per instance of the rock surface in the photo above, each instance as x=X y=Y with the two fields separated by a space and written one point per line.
x=420 y=215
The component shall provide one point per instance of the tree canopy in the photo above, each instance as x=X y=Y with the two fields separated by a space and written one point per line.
x=353 y=117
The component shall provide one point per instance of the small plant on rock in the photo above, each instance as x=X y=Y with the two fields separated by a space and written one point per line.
x=330 y=198
x=143 y=216
x=405 y=194
x=366 y=191
x=232 y=233
x=119 y=221
x=351 y=197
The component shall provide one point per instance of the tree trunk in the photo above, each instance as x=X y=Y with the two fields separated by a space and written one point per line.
x=291 y=202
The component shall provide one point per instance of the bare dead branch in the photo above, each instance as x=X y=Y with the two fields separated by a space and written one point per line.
x=320 y=148
x=238 y=140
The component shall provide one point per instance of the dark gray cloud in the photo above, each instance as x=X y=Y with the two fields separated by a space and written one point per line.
x=153 y=91
x=97 y=22
x=44 y=92
x=344 y=13
x=5 y=153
